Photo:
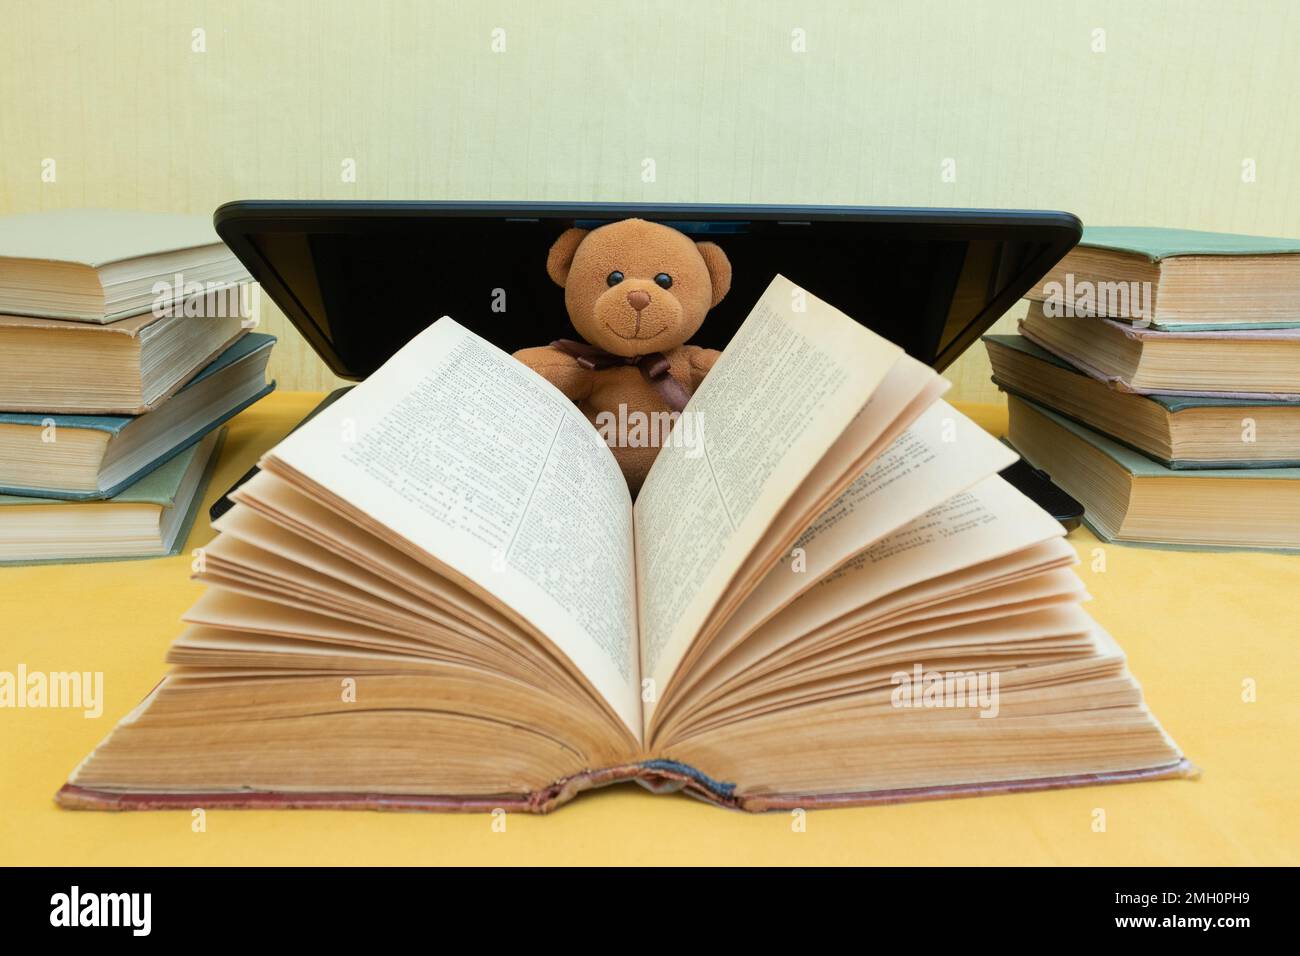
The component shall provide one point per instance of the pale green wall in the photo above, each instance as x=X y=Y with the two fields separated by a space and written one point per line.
x=1152 y=131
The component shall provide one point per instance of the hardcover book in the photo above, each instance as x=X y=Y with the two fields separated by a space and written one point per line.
x=149 y=519
x=85 y=457
x=128 y=367
x=439 y=594
x=1179 y=278
x=101 y=265
x=1242 y=363
x=1179 y=432
x=1130 y=498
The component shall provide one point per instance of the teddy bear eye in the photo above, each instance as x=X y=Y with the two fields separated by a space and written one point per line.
x=614 y=278
x=664 y=280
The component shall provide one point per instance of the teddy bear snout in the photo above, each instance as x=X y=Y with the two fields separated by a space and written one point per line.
x=638 y=299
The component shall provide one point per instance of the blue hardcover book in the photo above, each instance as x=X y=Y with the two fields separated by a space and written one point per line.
x=150 y=518
x=87 y=457
x=1131 y=499
x=1181 y=432
x=1178 y=279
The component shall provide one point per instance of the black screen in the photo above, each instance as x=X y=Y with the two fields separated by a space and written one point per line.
x=360 y=289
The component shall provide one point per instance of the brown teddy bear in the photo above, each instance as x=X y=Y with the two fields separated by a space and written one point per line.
x=635 y=291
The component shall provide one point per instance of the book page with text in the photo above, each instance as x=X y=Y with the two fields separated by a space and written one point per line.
x=976 y=529
x=978 y=526
x=792 y=379
x=941 y=454
x=482 y=464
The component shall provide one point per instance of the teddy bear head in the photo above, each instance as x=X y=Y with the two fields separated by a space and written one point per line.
x=634 y=287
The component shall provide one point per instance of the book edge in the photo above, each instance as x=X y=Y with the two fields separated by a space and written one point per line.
x=182 y=533
x=1120 y=385
x=657 y=776
x=136 y=410
x=105 y=494
x=1173 y=464
x=1265 y=245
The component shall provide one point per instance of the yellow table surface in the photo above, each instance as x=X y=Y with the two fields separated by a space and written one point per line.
x=1195 y=626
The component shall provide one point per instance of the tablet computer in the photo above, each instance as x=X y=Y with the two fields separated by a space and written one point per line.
x=360 y=279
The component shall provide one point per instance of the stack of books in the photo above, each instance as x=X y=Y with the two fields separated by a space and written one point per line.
x=1156 y=378
x=125 y=344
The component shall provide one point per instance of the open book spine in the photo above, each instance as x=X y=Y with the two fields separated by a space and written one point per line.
x=657 y=776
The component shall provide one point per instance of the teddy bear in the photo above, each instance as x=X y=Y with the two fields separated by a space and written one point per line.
x=635 y=291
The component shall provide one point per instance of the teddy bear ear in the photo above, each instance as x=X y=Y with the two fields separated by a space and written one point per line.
x=560 y=258
x=719 y=267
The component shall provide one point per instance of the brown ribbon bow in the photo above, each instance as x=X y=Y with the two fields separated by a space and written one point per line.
x=655 y=367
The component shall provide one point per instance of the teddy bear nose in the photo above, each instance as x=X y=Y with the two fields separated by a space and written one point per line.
x=638 y=299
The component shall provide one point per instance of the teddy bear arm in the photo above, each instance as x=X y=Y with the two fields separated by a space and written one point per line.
x=561 y=370
x=702 y=361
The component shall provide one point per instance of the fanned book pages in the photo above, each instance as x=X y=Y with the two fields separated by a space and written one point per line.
x=100 y=265
x=1179 y=278
x=439 y=594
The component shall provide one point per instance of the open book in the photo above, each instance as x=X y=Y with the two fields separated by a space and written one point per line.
x=439 y=594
